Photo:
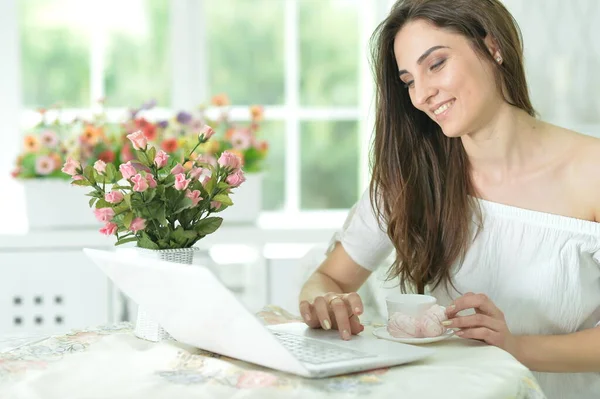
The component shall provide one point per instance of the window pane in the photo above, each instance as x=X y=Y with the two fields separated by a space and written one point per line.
x=245 y=50
x=329 y=51
x=273 y=184
x=54 y=53
x=137 y=54
x=330 y=165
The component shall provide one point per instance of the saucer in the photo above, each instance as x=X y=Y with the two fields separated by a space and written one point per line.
x=383 y=333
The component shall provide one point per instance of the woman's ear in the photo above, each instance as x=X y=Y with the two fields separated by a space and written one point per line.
x=493 y=48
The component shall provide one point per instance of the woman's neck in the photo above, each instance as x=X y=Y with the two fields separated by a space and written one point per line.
x=508 y=146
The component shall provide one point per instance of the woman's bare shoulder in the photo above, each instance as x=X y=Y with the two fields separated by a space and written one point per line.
x=585 y=155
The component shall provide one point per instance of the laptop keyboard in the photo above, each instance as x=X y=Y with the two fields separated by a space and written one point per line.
x=312 y=351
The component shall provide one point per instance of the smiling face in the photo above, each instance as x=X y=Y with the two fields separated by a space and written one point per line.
x=446 y=78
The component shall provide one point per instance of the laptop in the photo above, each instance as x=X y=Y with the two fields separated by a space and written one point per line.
x=196 y=309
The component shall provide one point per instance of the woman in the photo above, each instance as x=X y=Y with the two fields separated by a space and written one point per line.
x=485 y=207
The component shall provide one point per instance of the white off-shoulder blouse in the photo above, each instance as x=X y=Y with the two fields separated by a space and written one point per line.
x=542 y=270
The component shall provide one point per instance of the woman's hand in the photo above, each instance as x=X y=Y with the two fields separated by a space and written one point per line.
x=334 y=310
x=487 y=324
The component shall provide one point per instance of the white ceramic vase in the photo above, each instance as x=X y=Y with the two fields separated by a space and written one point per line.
x=54 y=204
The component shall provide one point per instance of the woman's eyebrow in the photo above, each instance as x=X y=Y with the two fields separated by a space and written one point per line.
x=422 y=57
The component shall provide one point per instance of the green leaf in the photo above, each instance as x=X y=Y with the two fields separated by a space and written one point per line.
x=81 y=183
x=182 y=236
x=149 y=195
x=222 y=185
x=88 y=173
x=111 y=173
x=146 y=242
x=127 y=200
x=151 y=154
x=208 y=225
x=127 y=220
x=122 y=207
x=183 y=203
x=210 y=185
x=126 y=240
x=141 y=157
x=92 y=202
x=224 y=199
x=169 y=180
x=160 y=215
x=103 y=204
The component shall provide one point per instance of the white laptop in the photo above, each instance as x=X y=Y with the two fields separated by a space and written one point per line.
x=194 y=307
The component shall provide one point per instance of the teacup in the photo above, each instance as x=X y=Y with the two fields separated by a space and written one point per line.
x=413 y=315
x=414 y=305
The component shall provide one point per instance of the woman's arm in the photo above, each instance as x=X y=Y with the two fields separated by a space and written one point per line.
x=328 y=298
x=570 y=353
x=338 y=273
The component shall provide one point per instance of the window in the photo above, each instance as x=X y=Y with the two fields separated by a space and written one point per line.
x=299 y=58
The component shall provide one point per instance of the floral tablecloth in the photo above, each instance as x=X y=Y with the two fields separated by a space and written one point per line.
x=110 y=362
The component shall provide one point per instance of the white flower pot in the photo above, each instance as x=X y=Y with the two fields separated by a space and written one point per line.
x=55 y=204
x=247 y=201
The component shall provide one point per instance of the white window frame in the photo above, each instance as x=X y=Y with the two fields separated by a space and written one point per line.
x=189 y=88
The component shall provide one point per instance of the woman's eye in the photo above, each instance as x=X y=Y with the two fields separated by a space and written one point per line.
x=409 y=84
x=437 y=65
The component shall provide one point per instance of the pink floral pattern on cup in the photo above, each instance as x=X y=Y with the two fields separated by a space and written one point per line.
x=429 y=325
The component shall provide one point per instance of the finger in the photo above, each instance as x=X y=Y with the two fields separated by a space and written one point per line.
x=479 y=302
x=355 y=325
x=476 y=320
x=340 y=312
x=480 y=333
x=354 y=303
x=309 y=315
x=322 y=310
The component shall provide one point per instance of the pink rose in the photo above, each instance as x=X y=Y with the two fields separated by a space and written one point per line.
x=195 y=173
x=234 y=180
x=230 y=160
x=109 y=229
x=104 y=214
x=77 y=177
x=100 y=166
x=151 y=181
x=181 y=183
x=160 y=160
x=113 y=197
x=140 y=183
x=215 y=204
x=138 y=140
x=71 y=167
x=194 y=196
x=206 y=133
x=127 y=170
x=137 y=224
x=177 y=169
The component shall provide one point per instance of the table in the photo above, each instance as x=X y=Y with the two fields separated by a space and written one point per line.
x=110 y=362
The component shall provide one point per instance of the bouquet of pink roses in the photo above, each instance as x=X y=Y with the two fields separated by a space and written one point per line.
x=159 y=202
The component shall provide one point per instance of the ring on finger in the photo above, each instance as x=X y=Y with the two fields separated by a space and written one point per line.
x=334 y=298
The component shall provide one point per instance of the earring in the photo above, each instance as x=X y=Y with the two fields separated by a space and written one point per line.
x=499 y=59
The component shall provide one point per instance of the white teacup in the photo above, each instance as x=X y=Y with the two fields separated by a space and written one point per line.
x=414 y=305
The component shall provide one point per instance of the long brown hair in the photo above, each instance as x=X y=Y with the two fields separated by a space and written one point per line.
x=421 y=185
